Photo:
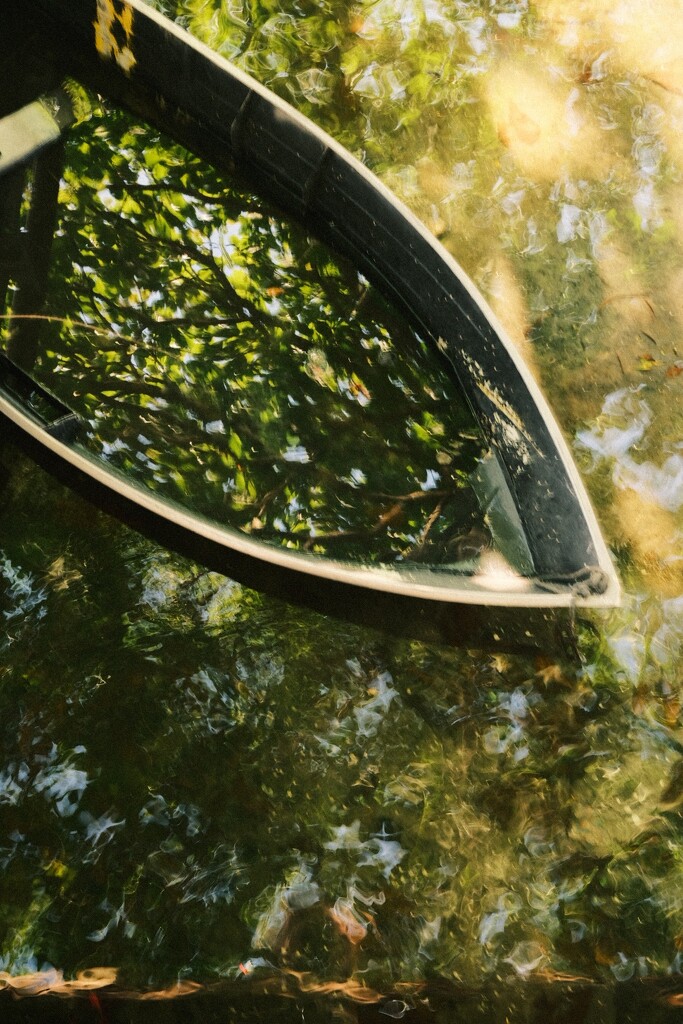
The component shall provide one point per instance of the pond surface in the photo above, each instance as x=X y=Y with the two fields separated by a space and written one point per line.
x=205 y=786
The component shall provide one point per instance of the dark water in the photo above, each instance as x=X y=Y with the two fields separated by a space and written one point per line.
x=201 y=784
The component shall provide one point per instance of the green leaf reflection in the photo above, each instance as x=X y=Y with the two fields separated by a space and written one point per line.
x=228 y=360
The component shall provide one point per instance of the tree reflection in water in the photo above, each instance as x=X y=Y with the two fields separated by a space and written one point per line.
x=265 y=760
x=230 y=362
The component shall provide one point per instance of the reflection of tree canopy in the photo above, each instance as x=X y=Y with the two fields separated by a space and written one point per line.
x=241 y=742
x=231 y=361
x=215 y=776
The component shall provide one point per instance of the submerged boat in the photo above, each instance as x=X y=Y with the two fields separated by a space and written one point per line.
x=534 y=542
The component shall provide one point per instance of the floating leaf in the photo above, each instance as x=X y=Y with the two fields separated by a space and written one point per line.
x=673 y=792
x=647 y=362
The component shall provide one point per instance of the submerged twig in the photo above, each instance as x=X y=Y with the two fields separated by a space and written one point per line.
x=103 y=332
x=422 y=539
x=623 y=296
x=383 y=521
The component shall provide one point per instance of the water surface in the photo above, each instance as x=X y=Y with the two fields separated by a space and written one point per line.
x=201 y=783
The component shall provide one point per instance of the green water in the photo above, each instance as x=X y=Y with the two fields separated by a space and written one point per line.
x=242 y=369
x=196 y=777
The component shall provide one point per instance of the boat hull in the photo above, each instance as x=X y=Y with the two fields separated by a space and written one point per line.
x=140 y=59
